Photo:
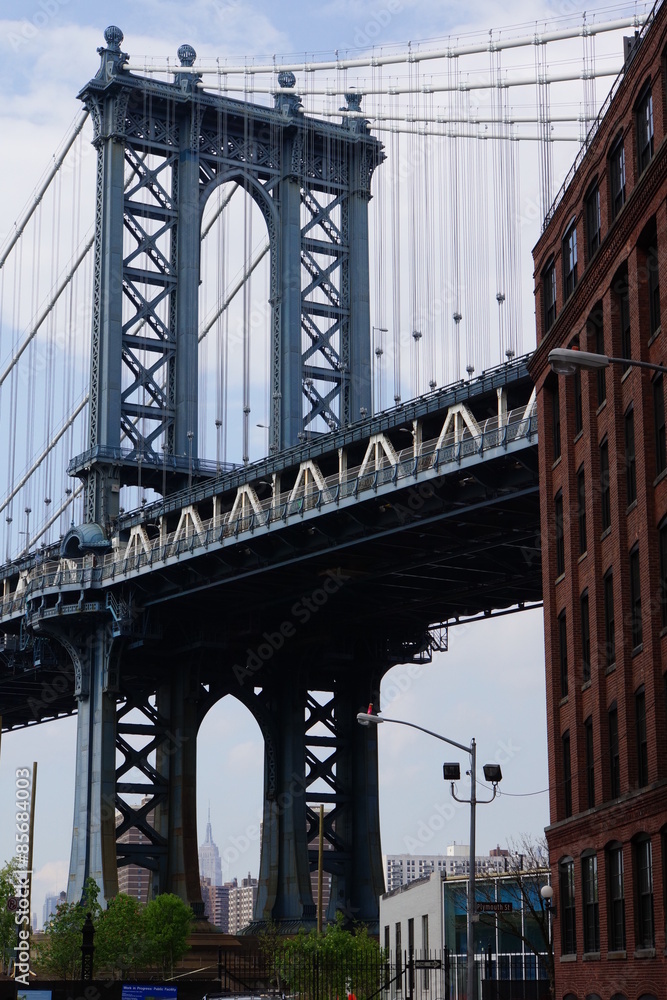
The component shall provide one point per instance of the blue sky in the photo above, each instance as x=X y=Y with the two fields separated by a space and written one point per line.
x=491 y=682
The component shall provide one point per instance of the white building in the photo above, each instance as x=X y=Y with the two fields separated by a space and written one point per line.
x=242 y=904
x=427 y=919
x=400 y=869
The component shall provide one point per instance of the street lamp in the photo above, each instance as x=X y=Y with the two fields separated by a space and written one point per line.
x=492 y=773
x=565 y=361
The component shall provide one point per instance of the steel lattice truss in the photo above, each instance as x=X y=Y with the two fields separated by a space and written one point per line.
x=162 y=150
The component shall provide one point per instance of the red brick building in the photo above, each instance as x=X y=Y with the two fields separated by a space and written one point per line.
x=601 y=286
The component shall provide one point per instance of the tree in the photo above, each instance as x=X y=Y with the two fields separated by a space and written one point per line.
x=59 y=953
x=528 y=863
x=119 y=938
x=8 y=881
x=333 y=964
x=167 y=922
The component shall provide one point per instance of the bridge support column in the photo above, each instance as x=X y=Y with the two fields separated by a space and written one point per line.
x=93 y=838
x=359 y=881
x=176 y=762
x=284 y=895
x=360 y=388
x=291 y=364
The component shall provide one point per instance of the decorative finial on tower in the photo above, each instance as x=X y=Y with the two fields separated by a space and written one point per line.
x=353 y=105
x=186 y=55
x=113 y=36
x=113 y=60
x=286 y=100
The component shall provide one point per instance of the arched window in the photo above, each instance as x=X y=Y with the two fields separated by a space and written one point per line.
x=644 y=124
x=616 y=176
x=549 y=294
x=569 y=259
x=615 y=896
x=592 y=220
x=590 y=906
x=567 y=906
x=643 y=864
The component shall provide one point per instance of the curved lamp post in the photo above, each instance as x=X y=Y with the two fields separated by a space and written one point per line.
x=566 y=361
x=492 y=773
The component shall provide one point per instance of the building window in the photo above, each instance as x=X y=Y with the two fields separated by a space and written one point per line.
x=399 y=959
x=605 y=500
x=642 y=743
x=596 y=328
x=591 y=913
x=659 y=424
x=555 y=412
x=621 y=295
x=578 y=404
x=644 y=129
x=662 y=544
x=635 y=598
x=653 y=290
x=567 y=774
x=567 y=907
x=644 y=889
x=614 y=759
x=585 y=638
x=616 y=894
x=609 y=623
x=593 y=220
x=560 y=537
x=570 y=260
x=617 y=177
x=581 y=509
x=549 y=291
x=562 y=645
x=590 y=761
x=630 y=457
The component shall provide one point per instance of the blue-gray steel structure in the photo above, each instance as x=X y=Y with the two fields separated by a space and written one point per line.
x=292 y=584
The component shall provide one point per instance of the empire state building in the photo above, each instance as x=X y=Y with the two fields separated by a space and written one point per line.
x=209 y=857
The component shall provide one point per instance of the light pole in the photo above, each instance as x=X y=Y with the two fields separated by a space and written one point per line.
x=566 y=361
x=492 y=773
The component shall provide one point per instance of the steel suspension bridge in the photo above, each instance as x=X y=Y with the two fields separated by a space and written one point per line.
x=255 y=250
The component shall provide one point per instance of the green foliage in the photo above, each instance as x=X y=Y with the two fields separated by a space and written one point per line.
x=59 y=953
x=120 y=943
x=167 y=922
x=8 y=882
x=329 y=965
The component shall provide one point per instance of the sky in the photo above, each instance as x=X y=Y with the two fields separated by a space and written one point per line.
x=490 y=684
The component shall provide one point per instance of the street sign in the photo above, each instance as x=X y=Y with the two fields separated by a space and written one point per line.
x=427 y=963
x=494 y=907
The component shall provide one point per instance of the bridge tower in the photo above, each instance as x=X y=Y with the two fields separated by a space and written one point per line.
x=162 y=149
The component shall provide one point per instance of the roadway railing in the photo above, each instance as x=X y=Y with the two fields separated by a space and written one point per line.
x=189 y=538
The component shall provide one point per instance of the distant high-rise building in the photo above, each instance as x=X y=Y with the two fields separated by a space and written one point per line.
x=399 y=869
x=216 y=903
x=132 y=879
x=51 y=903
x=209 y=857
x=242 y=904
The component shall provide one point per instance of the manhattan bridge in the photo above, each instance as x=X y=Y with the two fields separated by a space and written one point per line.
x=269 y=427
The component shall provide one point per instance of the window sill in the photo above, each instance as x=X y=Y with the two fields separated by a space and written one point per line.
x=631 y=507
x=590 y=956
x=568 y=958
x=637 y=650
x=578 y=435
x=610 y=669
x=660 y=477
x=663 y=632
x=605 y=533
x=600 y=407
x=564 y=700
x=626 y=373
x=654 y=336
x=559 y=579
x=556 y=461
x=616 y=956
x=582 y=556
x=585 y=686
x=645 y=953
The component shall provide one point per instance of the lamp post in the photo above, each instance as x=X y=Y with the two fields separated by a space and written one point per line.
x=493 y=774
x=565 y=361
